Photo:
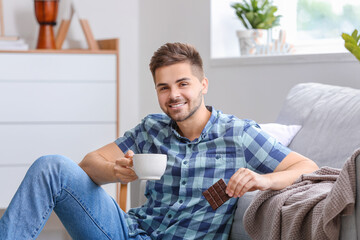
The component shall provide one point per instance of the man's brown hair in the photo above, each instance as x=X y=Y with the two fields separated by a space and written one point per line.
x=172 y=53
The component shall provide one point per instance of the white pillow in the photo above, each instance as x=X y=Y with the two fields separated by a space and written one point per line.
x=283 y=133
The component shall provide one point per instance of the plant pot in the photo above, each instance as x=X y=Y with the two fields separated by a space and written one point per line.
x=245 y=41
x=254 y=41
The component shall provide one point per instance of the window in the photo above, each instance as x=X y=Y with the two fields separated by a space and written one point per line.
x=311 y=26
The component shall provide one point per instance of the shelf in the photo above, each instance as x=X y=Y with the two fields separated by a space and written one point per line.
x=107 y=46
x=65 y=51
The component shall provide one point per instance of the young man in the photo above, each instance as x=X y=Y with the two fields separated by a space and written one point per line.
x=203 y=145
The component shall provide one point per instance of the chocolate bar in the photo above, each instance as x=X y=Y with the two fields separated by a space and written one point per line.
x=216 y=194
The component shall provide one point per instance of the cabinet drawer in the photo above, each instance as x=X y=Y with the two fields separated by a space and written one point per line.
x=57 y=67
x=11 y=178
x=49 y=102
x=22 y=144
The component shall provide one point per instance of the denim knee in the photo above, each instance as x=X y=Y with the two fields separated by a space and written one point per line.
x=50 y=163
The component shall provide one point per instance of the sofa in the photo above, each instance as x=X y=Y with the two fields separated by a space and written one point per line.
x=330 y=132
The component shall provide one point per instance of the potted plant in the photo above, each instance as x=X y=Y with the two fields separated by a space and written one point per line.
x=258 y=18
x=352 y=43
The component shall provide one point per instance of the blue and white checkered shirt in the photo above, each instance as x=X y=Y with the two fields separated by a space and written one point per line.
x=175 y=207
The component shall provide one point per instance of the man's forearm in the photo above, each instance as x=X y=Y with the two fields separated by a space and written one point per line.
x=284 y=178
x=98 y=169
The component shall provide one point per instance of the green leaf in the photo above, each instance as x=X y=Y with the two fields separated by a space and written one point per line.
x=349 y=47
x=258 y=19
x=247 y=5
x=271 y=10
x=250 y=17
x=277 y=21
x=264 y=5
x=261 y=26
x=356 y=53
x=258 y=16
x=348 y=38
x=254 y=4
x=351 y=43
x=244 y=23
x=354 y=34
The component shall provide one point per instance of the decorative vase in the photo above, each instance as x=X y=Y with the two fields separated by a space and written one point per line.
x=254 y=41
x=46 y=13
x=246 y=42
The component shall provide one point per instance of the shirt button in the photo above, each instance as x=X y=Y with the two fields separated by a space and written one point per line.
x=169 y=216
x=181 y=201
x=183 y=182
x=185 y=162
x=218 y=157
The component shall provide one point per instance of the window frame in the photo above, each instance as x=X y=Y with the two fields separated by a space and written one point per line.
x=283 y=59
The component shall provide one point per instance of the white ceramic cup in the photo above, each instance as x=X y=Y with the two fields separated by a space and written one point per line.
x=149 y=166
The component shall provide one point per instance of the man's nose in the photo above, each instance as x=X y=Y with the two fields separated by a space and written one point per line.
x=174 y=93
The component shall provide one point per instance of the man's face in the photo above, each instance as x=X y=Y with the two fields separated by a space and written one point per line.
x=180 y=92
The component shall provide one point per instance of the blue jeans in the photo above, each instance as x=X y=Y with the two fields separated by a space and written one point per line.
x=57 y=183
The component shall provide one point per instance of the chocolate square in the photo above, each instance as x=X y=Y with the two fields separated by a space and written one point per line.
x=216 y=194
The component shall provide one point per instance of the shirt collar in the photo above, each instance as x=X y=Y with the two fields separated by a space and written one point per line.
x=213 y=117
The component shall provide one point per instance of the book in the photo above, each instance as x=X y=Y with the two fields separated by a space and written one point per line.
x=18 y=44
x=9 y=38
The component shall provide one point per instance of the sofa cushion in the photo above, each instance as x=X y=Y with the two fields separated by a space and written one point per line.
x=330 y=120
x=282 y=133
x=237 y=229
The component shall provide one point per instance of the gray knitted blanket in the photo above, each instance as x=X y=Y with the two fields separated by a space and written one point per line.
x=308 y=209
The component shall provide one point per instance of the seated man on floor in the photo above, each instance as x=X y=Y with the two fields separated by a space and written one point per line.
x=202 y=144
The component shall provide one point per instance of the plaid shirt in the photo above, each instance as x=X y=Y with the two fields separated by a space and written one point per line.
x=175 y=207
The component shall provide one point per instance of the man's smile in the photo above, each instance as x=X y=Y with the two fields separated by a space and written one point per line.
x=177 y=105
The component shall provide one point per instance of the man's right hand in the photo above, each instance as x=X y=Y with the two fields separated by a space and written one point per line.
x=123 y=168
x=109 y=164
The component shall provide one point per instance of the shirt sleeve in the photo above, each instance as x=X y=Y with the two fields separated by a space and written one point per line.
x=262 y=152
x=129 y=140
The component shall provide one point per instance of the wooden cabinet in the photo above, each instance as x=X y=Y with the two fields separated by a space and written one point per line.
x=55 y=102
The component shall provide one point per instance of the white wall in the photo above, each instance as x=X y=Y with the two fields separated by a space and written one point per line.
x=258 y=92
x=248 y=91
x=164 y=21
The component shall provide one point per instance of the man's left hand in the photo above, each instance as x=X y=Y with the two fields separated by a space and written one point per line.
x=245 y=180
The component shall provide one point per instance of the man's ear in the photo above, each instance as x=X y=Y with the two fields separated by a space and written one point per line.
x=205 y=85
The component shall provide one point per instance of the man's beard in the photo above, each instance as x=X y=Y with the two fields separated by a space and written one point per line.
x=192 y=111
